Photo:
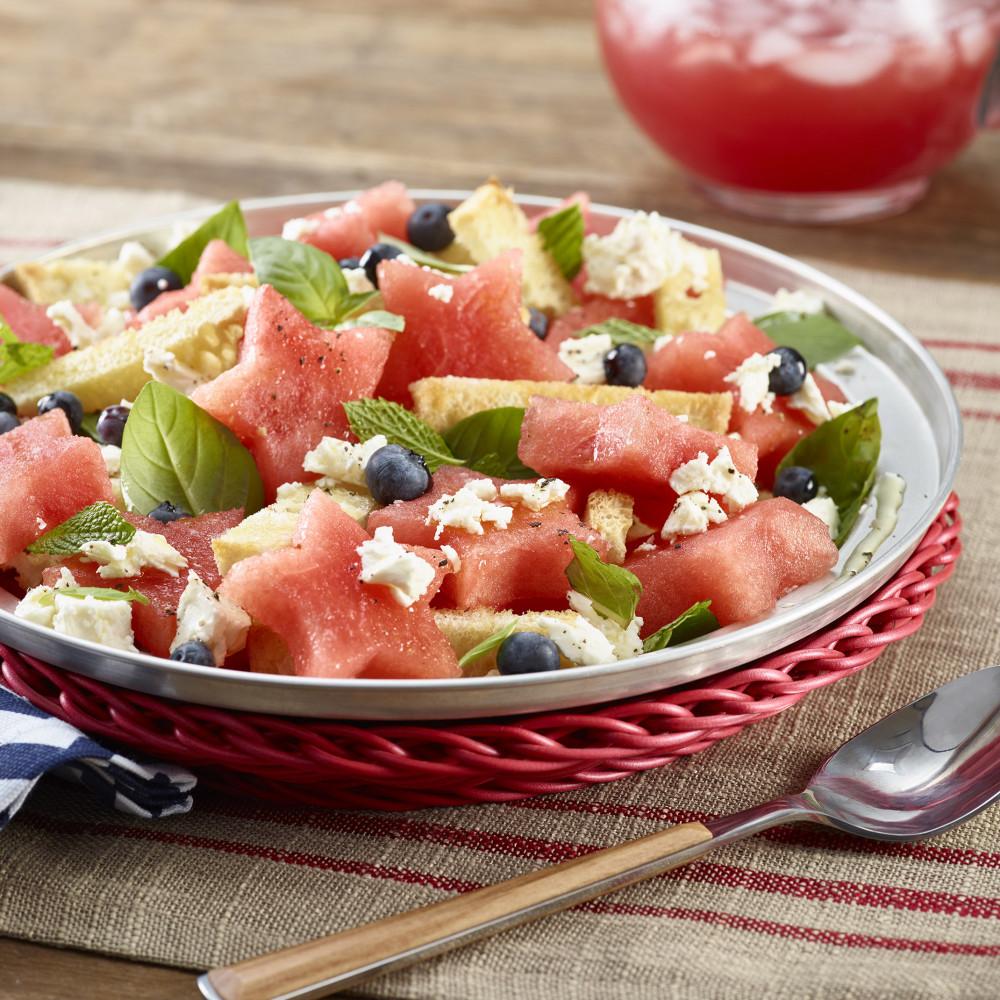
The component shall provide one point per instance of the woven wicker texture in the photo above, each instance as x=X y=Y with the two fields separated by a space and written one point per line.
x=405 y=766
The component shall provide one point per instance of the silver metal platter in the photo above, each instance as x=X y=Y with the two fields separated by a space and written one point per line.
x=921 y=441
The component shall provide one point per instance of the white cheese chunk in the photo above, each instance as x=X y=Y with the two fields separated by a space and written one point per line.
x=625 y=642
x=205 y=616
x=810 y=401
x=797 y=301
x=78 y=331
x=825 y=509
x=578 y=640
x=751 y=378
x=145 y=549
x=339 y=461
x=719 y=477
x=454 y=559
x=295 y=229
x=163 y=366
x=357 y=280
x=133 y=257
x=585 y=355
x=468 y=509
x=386 y=562
x=535 y=495
x=106 y=622
x=442 y=292
x=692 y=514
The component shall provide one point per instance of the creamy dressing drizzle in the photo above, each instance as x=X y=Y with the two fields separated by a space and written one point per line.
x=888 y=495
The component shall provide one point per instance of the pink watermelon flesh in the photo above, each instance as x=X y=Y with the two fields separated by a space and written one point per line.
x=155 y=624
x=312 y=596
x=286 y=391
x=479 y=332
x=597 y=309
x=633 y=446
x=522 y=566
x=47 y=474
x=30 y=322
x=743 y=565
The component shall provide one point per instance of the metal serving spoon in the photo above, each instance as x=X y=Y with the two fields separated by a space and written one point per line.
x=921 y=771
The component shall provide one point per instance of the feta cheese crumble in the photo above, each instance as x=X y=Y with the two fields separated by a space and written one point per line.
x=720 y=477
x=692 y=514
x=826 y=510
x=442 y=293
x=339 y=461
x=386 y=562
x=145 y=549
x=797 y=301
x=208 y=617
x=357 y=280
x=639 y=256
x=625 y=642
x=578 y=640
x=469 y=508
x=585 y=355
x=535 y=495
x=162 y=366
x=295 y=229
x=751 y=378
x=810 y=401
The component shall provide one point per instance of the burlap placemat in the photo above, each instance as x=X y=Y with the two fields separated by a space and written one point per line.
x=795 y=913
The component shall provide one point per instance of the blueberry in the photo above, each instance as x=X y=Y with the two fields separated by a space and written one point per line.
x=527 y=653
x=7 y=405
x=111 y=424
x=165 y=512
x=428 y=228
x=797 y=483
x=396 y=473
x=66 y=401
x=349 y=263
x=374 y=255
x=538 y=323
x=790 y=374
x=8 y=422
x=194 y=652
x=149 y=283
x=625 y=365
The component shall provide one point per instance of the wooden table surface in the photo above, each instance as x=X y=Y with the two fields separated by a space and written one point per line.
x=260 y=97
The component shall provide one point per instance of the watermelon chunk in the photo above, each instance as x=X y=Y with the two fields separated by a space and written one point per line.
x=312 y=596
x=47 y=474
x=286 y=391
x=30 y=321
x=597 y=309
x=743 y=565
x=155 y=624
x=633 y=446
x=468 y=325
x=523 y=565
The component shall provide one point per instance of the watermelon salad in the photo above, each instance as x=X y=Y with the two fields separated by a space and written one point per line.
x=404 y=440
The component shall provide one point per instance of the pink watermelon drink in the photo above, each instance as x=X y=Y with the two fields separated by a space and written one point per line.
x=803 y=97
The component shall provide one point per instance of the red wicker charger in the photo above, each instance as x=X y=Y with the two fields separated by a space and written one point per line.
x=405 y=766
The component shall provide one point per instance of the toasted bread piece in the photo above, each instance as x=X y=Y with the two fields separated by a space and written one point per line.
x=205 y=338
x=489 y=222
x=442 y=401
x=466 y=629
x=271 y=527
x=213 y=282
x=689 y=302
x=73 y=279
x=610 y=513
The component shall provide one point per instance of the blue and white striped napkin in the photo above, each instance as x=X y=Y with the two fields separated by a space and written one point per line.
x=33 y=743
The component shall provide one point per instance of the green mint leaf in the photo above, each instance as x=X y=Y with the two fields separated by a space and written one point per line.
x=842 y=454
x=692 y=624
x=17 y=357
x=101 y=593
x=491 y=432
x=423 y=258
x=487 y=645
x=173 y=450
x=376 y=317
x=818 y=337
x=100 y=522
x=562 y=236
x=615 y=591
x=623 y=332
x=227 y=224
x=88 y=426
x=368 y=417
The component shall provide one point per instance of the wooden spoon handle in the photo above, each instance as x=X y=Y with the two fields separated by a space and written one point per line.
x=318 y=968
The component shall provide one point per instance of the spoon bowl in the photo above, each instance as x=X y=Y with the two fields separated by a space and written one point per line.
x=920 y=771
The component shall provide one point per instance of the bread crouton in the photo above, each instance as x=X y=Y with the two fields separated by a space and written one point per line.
x=73 y=279
x=690 y=301
x=442 y=401
x=610 y=513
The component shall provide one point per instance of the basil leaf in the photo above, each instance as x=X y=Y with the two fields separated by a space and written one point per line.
x=487 y=645
x=88 y=426
x=173 y=450
x=368 y=417
x=423 y=258
x=622 y=331
x=692 y=624
x=100 y=522
x=227 y=224
x=496 y=432
x=309 y=278
x=615 y=591
x=490 y=465
x=842 y=454
x=818 y=337
x=562 y=236
x=377 y=317
x=101 y=593
x=17 y=357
